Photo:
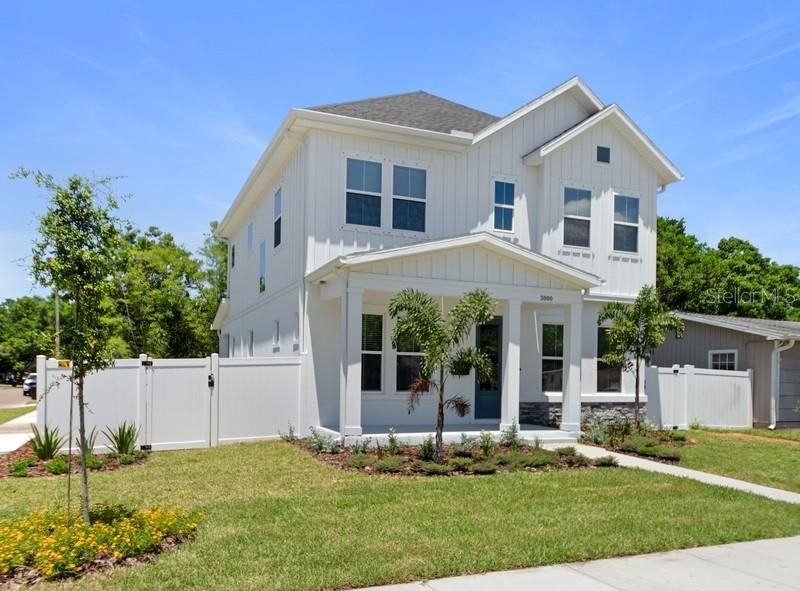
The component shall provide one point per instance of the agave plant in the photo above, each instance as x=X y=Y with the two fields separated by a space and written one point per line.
x=122 y=439
x=46 y=444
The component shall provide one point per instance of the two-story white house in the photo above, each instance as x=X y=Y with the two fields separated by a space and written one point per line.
x=552 y=209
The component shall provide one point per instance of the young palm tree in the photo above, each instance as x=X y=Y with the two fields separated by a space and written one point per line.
x=420 y=320
x=636 y=332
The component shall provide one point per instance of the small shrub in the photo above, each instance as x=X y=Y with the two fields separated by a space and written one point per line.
x=290 y=435
x=360 y=460
x=537 y=443
x=483 y=468
x=565 y=451
x=91 y=440
x=139 y=454
x=460 y=464
x=678 y=436
x=508 y=459
x=695 y=425
x=670 y=455
x=575 y=460
x=57 y=465
x=390 y=464
x=122 y=439
x=486 y=443
x=93 y=462
x=464 y=448
x=539 y=459
x=46 y=444
x=510 y=436
x=126 y=459
x=432 y=468
x=393 y=444
x=605 y=462
x=322 y=444
x=427 y=449
x=361 y=445
x=20 y=469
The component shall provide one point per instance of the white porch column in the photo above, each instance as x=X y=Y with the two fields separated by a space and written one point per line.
x=350 y=390
x=509 y=404
x=571 y=398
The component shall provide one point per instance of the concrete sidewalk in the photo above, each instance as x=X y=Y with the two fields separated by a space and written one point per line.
x=17 y=432
x=766 y=564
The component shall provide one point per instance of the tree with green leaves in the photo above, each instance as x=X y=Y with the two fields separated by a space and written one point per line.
x=27 y=329
x=78 y=253
x=635 y=333
x=441 y=337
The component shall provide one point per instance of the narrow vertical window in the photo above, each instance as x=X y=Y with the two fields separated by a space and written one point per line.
x=371 y=352
x=249 y=237
x=277 y=214
x=626 y=223
x=363 y=193
x=577 y=216
x=251 y=348
x=276 y=335
x=409 y=358
x=296 y=332
x=609 y=378
x=409 y=189
x=233 y=256
x=262 y=266
x=552 y=357
x=503 y=206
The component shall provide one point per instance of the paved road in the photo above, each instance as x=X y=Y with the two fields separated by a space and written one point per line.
x=10 y=397
x=766 y=564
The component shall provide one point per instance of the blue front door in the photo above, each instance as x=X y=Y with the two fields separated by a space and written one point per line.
x=489 y=339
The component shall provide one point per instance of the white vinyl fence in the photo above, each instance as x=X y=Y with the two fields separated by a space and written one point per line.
x=178 y=403
x=678 y=396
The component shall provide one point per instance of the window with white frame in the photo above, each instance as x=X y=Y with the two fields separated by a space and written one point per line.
x=363 y=193
x=250 y=232
x=277 y=214
x=604 y=154
x=262 y=266
x=552 y=357
x=409 y=189
x=371 y=352
x=609 y=377
x=408 y=363
x=626 y=223
x=724 y=359
x=504 y=206
x=251 y=348
x=577 y=216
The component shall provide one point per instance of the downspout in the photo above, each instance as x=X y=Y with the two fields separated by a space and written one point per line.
x=780 y=346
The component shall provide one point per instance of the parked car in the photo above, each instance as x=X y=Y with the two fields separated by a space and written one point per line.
x=29 y=386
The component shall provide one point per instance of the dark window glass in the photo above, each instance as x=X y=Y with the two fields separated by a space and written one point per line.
x=552 y=375
x=609 y=378
x=626 y=238
x=363 y=209
x=277 y=238
x=371 y=332
x=576 y=232
x=370 y=372
x=408 y=370
x=626 y=209
x=503 y=193
x=503 y=218
x=603 y=154
x=408 y=215
x=553 y=340
x=233 y=256
x=409 y=182
x=363 y=175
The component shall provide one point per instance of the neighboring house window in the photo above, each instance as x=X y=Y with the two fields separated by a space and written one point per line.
x=225 y=345
x=604 y=154
x=276 y=335
x=262 y=266
x=277 y=210
x=626 y=223
x=363 y=192
x=577 y=216
x=609 y=378
x=251 y=349
x=409 y=356
x=371 y=352
x=296 y=335
x=503 y=206
x=409 y=188
x=232 y=344
x=233 y=256
x=552 y=357
x=250 y=237
x=725 y=359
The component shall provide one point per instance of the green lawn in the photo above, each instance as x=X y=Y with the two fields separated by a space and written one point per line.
x=786 y=434
x=6 y=414
x=746 y=455
x=275 y=518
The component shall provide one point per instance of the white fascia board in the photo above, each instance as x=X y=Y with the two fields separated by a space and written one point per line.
x=589 y=99
x=221 y=315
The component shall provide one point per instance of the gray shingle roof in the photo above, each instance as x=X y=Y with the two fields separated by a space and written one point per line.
x=419 y=109
x=771 y=329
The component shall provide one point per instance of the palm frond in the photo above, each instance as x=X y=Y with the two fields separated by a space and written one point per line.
x=458 y=404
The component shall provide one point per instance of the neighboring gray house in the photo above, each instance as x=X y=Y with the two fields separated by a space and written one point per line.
x=771 y=348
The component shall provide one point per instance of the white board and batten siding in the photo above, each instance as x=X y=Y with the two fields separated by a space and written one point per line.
x=679 y=396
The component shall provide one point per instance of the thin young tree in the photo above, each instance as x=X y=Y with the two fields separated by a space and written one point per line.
x=441 y=338
x=78 y=251
x=636 y=331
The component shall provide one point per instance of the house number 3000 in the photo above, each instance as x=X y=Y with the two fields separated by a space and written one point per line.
x=545 y=298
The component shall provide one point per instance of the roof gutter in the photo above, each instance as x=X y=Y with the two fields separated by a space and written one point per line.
x=780 y=347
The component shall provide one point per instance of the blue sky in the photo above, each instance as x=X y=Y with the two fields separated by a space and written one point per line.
x=180 y=98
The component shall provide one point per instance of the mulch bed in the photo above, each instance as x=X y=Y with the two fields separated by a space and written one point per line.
x=110 y=462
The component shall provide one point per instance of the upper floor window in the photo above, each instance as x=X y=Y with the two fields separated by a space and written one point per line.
x=626 y=223
x=552 y=357
x=409 y=187
x=726 y=360
x=249 y=237
x=233 y=256
x=577 y=216
x=503 y=206
x=262 y=266
x=277 y=213
x=609 y=377
x=604 y=154
x=363 y=192
x=371 y=352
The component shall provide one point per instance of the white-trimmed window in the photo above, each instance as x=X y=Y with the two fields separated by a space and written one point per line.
x=577 y=216
x=251 y=347
x=409 y=190
x=371 y=352
x=604 y=154
x=504 y=206
x=363 y=193
x=609 y=377
x=626 y=223
x=552 y=357
x=725 y=359
x=277 y=214
x=409 y=358
x=250 y=232
x=262 y=266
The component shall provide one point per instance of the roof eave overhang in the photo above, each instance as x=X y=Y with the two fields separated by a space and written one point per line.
x=221 y=315
x=770 y=335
